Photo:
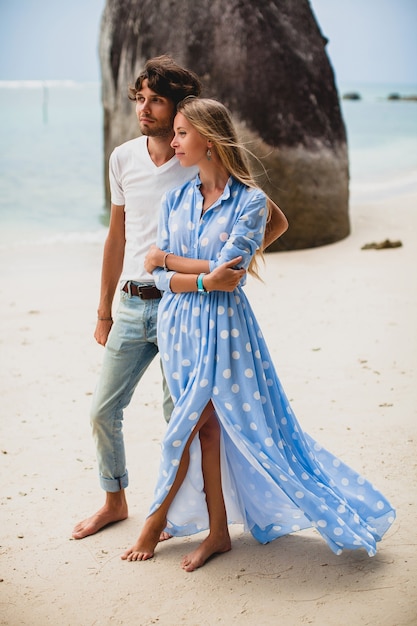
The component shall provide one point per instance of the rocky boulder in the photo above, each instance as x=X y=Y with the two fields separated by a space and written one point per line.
x=267 y=62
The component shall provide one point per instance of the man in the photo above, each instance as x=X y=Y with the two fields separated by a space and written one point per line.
x=141 y=171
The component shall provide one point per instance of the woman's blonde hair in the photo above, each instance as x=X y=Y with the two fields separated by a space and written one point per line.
x=214 y=121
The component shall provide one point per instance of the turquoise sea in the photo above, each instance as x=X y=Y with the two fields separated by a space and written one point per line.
x=382 y=141
x=52 y=171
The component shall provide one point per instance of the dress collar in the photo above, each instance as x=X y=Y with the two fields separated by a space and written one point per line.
x=224 y=196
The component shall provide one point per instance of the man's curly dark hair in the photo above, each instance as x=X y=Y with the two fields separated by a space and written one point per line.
x=167 y=79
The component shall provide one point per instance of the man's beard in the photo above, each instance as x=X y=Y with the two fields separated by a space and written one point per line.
x=161 y=131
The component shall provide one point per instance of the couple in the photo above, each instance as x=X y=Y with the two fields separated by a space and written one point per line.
x=233 y=450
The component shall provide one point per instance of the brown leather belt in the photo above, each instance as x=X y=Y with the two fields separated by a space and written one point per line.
x=146 y=292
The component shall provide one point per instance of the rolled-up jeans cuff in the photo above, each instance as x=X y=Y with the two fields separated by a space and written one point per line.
x=113 y=485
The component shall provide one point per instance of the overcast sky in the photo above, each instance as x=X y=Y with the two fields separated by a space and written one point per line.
x=369 y=40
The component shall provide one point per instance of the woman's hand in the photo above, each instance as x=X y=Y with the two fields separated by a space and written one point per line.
x=224 y=277
x=153 y=259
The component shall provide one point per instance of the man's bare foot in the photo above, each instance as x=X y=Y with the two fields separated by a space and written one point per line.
x=114 y=510
x=144 y=547
x=208 y=548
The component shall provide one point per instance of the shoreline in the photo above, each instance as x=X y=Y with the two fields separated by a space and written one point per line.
x=374 y=190
x=340 y=324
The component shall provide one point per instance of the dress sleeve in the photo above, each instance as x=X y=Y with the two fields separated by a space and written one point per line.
x=247 y=233
x=163 y=278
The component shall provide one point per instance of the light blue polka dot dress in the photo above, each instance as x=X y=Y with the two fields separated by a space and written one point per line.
x=276 y=478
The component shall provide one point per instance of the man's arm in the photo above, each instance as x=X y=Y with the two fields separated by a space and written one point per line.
x=275 y=226
x=113 y=256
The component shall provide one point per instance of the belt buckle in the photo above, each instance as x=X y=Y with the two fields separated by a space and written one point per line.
x=143 y=291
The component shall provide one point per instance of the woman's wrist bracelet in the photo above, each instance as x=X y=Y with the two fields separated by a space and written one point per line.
x=165 y=266
x=200 y=284
x=105 y=319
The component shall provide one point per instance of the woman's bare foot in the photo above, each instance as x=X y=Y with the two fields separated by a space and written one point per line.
x=164 y=536
x=144 y=547
x=208 y=548
x=114 y=510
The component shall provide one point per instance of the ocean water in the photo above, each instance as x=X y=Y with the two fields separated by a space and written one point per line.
x=51 y=165
x=52 y=171
x=382 y=141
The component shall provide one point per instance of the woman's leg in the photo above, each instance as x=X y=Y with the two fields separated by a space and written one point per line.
x=218 y=539
x=144 y=547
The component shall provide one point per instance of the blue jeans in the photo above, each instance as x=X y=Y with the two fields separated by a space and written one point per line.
x=130 y=348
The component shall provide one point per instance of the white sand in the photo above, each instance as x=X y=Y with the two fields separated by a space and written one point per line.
x=341 y=324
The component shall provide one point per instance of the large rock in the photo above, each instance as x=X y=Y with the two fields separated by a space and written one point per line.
x=267 y=62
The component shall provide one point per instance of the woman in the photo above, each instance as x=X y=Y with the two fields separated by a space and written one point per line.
x=251 y=462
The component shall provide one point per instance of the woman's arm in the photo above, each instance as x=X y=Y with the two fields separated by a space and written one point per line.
x=171 y=262
x=245 y=237
x=275 y=226
x=223 y=278
x=248 y=230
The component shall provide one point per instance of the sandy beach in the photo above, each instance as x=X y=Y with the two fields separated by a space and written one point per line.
x=341 y=324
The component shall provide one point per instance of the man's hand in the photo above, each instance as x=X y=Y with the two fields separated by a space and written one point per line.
x=101 y=333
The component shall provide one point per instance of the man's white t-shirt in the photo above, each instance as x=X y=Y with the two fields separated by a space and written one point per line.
x=138 y=184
